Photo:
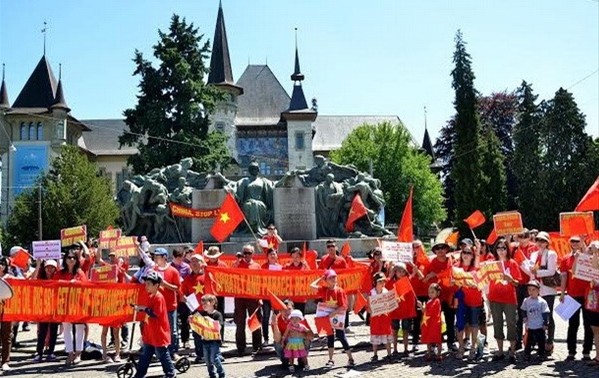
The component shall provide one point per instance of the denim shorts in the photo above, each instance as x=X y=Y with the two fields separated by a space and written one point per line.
x=405 y=324
x=473 y=316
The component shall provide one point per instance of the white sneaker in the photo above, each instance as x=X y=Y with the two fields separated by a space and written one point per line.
x=5 y=367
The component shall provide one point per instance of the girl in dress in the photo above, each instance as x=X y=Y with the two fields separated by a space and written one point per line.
x=431 y=324
x=380 y=325
x=296 y=338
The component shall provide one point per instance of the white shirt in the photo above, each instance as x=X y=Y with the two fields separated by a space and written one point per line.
x=549 y=258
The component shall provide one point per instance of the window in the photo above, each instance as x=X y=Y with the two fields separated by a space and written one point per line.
x=220 y=127
x=23 y=131
x=32 y=131
x=299 y=141
x=40 y=131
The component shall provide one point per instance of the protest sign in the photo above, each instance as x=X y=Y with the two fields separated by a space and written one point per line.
x=105 y=273
x=109 y=238
x=397 y=251
x=324 y=311
x=257 y=284
x=46 y=249
x=462 y=278
x=71 y=235
x=73 y=302
x=488 y=271
x=576 y=223
x=206 y=327
x=383 y=303
x=126 y=246
x=585 y=268
x=508 y=223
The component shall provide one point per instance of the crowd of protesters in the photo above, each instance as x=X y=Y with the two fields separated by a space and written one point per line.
x=520 y=304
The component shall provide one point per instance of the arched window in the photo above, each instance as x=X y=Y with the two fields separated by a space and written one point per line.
x=23 y=131
x=32 y=132
x=40 y=131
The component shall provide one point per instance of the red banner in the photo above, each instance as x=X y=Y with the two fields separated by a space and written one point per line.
x=246 y=283
x=78 y=302
x=105 y=273
x=284 y=258
x=187 y=212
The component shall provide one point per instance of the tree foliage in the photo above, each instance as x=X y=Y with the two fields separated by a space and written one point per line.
x=397 y=163
x=444 y=152
x=170 y=120
x=72 y=194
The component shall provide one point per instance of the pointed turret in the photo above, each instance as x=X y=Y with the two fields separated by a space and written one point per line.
x=427 y=145
x=221 y=73
x=298 y=99
x=4 y=103
x=60 y=102
x=40 y=89
x=297 y=73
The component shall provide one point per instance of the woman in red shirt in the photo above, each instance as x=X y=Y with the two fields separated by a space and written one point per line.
x=473 y=301
x=72 y=272
x=272 y=263
x=297 y=263
x=503 y=300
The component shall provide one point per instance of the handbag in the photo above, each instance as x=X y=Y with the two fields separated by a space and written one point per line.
x=591 y=300
x=551 y=281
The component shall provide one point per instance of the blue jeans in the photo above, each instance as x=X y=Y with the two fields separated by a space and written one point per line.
x=198 y=344
x=213 y=360
x=172 y=322
x=165 y=360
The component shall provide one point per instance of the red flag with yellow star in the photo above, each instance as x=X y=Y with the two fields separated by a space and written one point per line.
x=254 y=323
x=228 y=218
x=323 y=326
x=405 y=232
x=356 y=211
x=430 y=329
x=199 y=249
x=360 y=303
x=406 y=299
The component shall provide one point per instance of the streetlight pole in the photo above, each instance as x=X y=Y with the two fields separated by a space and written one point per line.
x=39 y=212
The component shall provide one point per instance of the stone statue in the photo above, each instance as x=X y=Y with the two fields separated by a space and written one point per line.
x=182 y=195
x=254 y=195
x=317 y=174
x=127 y=197
x=329 y=202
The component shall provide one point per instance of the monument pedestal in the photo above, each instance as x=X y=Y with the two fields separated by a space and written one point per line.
x=205 y=199
x=295 y=213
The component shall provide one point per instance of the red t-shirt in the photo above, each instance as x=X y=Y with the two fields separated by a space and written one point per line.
x=527 y=251
x=64 y=275
x=242 y=264
x=575 y=287
x=472 y=296
x=407 y=304
x=333 y=297
x=157 y=331
x=86 y=265
x=505 y=292
x=419 y=286
x=194 y=284
x=171 y=276
x=282 y=323
x=272 y=241
x=334 y=263
x=437 y=266
x=292 y=266
x=218 y=263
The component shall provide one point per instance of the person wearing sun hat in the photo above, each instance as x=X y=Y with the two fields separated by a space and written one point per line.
x=545 y=266
x=441 y=263
x=296 y=337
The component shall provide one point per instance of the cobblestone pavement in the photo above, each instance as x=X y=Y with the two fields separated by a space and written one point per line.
x=266 y=364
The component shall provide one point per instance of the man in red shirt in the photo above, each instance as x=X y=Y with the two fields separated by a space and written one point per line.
x=576 y=289
x=527 y=248
x=441 y=263
x=169 y=288
x=331 y=260
x=271 y=239
x=193 y=283
x=245 y=306
x=156 y=334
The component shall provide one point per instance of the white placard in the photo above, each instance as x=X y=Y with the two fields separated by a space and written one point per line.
x=567 y=308
x=584 y=268
x=397 y=251
x=46 y=249
x=192 y=302
x=383 y=303
x=263 y=243
x=337 y=322
x=275 y=267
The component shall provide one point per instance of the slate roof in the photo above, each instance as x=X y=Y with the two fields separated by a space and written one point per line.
x=104 y=137
x=4 y=103
x=332 y=129
x=427 y=145
x=40 y=88
x=264 y=97
x=220 y=60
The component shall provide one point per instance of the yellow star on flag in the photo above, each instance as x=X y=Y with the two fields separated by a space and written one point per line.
x=425 y=319
x=199 y=288
x=224 y=217
x=271 y=245
x=331 y=302
x=401 y=298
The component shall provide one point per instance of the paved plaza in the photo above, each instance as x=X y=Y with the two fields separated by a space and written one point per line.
x=266 y=364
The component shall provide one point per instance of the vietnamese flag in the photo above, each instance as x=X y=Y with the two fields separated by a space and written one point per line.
x=254 y=323
x=20 y=258
x=228 y=218
x=475 y=219
x=199 y=249
x=590 y=201
x=323 y=326
x=346 y=249
x=406 y=298
x=403 y=287
x=444 y=277
x=356 y=211
x=276 y=303
x=405 y=233
x=360 y=303
x=430 y=328
x=519 y=257
x=421 y=258
x=492 y=238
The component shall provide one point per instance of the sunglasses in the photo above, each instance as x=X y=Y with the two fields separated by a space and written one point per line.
x=540 y=240
x=501 y=248
x=70 y=257
x=247 y=253
x=330 y=246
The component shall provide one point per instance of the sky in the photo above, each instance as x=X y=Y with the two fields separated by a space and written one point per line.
x=385 y=57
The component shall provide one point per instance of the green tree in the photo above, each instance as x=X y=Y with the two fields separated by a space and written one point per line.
x=493 y=183
x=72 y=194
x=397 y=163
x=565 y=158
x=466 y=172
x=444 y=152
x=527 y=157
x=170 y=120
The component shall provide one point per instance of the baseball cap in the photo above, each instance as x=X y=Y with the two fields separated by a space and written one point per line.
x=160 y=251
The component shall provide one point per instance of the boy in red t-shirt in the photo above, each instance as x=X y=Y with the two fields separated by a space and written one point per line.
x=156 y=333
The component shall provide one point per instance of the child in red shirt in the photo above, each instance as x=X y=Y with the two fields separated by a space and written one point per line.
x=431 y=323
x=380 y=325
x=156 y=334
x=404 y=315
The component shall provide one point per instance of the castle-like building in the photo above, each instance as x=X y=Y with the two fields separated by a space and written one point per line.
x=263 y=123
